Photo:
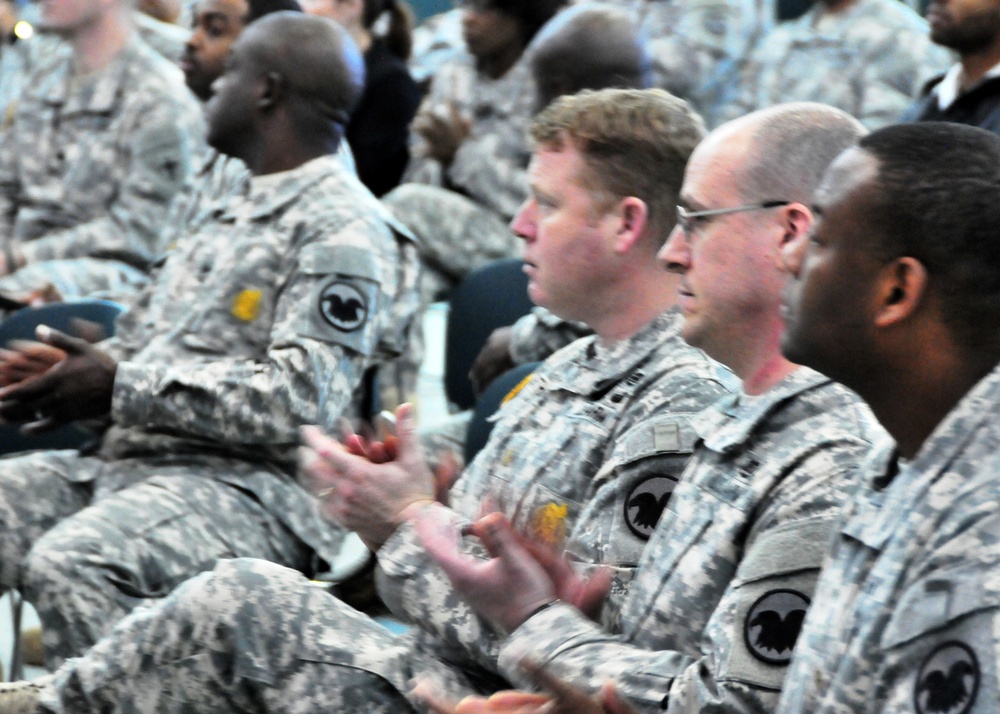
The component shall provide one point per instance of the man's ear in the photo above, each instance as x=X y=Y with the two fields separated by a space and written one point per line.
x=633 y=217
x=902 y=289
x=796 y=220
x=273 y=88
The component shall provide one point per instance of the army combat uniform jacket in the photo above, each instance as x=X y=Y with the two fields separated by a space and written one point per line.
x=718 y=597
x=593 y=422
x=906 y=616
x=871 y=60
x=89 y=165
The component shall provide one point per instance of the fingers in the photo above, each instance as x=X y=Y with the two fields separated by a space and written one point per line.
x=440 y=539
x=614 y=703
x=445 y=476
x=594 y=593
x=424 y=693
x=51 y=336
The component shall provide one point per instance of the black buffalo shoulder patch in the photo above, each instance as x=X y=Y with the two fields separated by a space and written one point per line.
x=948 y=680
x=644 y=504
x=343 y=306
x=773 y=625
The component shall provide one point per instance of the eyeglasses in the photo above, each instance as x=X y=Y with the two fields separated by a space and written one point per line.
x=688 y=220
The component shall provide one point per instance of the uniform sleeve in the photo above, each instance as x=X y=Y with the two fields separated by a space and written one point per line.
x=9 y=183
x=743 y=652
x=415 y=589
x=329 y=316
x=540 y=334
x=162 y=149
x=488 y=170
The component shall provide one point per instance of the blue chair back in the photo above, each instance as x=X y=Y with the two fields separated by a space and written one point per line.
x=21 y=325
x=492 y=296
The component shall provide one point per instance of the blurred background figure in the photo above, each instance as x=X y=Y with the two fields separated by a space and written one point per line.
x=379 y=128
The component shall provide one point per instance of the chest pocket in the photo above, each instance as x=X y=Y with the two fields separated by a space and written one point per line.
x=235 y=301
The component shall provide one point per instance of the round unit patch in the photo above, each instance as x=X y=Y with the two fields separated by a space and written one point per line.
x=344 y=306
x=948 y=680
x=773 y=625
x=645 y=503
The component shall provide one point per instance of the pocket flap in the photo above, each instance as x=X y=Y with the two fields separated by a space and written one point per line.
x=937 y=599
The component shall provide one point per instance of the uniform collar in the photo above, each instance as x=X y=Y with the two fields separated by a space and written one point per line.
x=949 y=88
x=594 y=367
x=728 y=424
x=267 y=194
x=106 y=84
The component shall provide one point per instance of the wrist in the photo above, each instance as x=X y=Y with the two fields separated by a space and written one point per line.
x=510 y=626
x=414 y=509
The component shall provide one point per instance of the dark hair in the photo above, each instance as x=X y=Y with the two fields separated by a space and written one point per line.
x=532 y=14
x=257 y=9
x=399 y=37
x=937 y=199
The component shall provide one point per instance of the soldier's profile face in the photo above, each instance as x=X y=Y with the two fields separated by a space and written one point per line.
x=230 y=111
x=565 y=233
x=216 y=25
x=730 y=282
x=827 y=301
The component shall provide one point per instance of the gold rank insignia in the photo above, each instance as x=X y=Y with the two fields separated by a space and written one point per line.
x=514 y=392
x=8 y=116
x=246 y=305
x=549 y=523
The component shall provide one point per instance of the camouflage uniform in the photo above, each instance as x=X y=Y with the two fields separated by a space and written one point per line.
x=89 y=165
x=165 y=37
x=870 y=60
x=460 y=212
x=698 y=46
x=437 y=41
x=616 y=424
x=718 y=596
x=264 y=318
x=540 y=333
x=907 y=611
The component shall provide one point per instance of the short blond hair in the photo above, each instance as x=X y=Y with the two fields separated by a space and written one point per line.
x=634 y=142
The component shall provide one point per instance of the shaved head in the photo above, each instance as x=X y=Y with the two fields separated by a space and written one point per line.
x=588 y=46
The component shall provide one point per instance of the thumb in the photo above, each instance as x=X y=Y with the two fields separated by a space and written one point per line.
x=496 y=534
x=55 y=338
x=406 y=430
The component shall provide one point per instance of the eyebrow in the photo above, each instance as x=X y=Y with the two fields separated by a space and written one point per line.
x=690 y=204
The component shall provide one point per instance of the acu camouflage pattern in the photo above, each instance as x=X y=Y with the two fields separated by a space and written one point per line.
x=698 y=46
x=871 y=60
x=581 y=431
x=594 y=405
x=752 y=514
x=539 y=334
x=228 y=352
x=88 y=166
x=913 y=574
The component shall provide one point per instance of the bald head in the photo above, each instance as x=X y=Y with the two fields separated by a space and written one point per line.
x=320 y=66
x=782 y=152
x=588 y=46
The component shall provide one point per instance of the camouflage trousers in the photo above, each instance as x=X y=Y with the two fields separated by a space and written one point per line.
x=78 y=278
x=87 y=540
x=248 y=637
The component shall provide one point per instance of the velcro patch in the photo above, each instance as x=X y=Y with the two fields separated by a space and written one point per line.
x=343 y=306
x=646 y=502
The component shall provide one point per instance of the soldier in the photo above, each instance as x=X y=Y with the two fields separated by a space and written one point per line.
x=906 y=612
x=719 y=594
x=969 y=92
x=112 y=133
x=614 y=410
x=264 y=318
x=867 y=57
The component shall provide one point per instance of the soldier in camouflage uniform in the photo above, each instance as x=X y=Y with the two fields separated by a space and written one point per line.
x=113 y=134
x=906 y=616
x=698 y=46
x=868 y=57
x=265 y=317
x=614 y=409
x=719 y=594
